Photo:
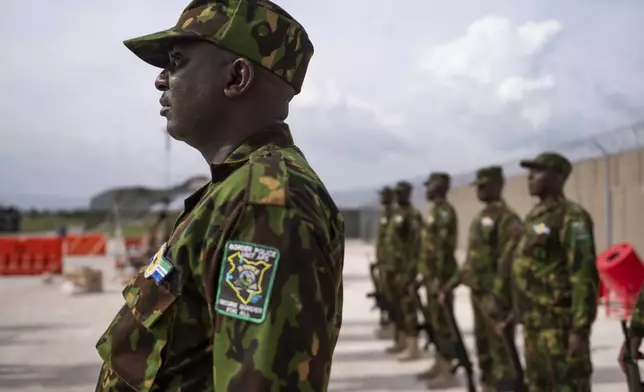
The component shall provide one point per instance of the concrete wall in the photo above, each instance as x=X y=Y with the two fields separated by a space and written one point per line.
x=586 y=186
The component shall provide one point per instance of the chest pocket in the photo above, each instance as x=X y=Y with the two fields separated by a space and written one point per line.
x=542 y=240
x=487 y=245
x=133 y=345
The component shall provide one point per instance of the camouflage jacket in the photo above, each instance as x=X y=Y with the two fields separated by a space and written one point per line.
x=554 y=273
x=381 y=240
x=248 y=294
x=438 y=243
x=493 y=236
x=403 y=240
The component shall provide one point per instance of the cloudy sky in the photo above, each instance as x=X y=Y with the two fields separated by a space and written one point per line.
x=391 y=91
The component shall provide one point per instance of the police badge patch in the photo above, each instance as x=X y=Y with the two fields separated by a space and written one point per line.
x=246 y=280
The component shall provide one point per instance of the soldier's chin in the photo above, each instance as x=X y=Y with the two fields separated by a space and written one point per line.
x=174 y=130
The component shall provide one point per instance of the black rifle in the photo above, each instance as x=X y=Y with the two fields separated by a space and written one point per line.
x=514 y=384
x=456 y=349
x=633 y=377
x=426 y=325
x=381 y=301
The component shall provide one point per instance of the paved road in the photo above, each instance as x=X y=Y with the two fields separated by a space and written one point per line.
x=47 y=337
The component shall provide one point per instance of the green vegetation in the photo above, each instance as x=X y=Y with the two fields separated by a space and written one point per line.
x=34 y=221
x=31 y=224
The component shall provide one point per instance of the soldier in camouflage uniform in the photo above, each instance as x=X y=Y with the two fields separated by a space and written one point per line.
x=636 y=333
x=246 y=295
x=438 y=265
x=404 y=236
x=556 y=282
x=493 y=236
x=385 y=330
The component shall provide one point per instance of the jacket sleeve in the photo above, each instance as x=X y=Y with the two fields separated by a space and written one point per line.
x=282 y=335
x=580 y=251
x=446 y=232
x=511 y=231
x=465 y=270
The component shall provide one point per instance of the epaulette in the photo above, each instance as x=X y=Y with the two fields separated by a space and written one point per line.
x=268 y=178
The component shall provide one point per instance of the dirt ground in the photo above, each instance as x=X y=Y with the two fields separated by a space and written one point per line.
x=47 y=337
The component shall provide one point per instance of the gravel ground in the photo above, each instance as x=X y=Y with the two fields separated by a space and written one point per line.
x=47 y=337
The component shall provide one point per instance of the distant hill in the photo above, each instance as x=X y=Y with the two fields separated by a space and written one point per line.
x=352 y=198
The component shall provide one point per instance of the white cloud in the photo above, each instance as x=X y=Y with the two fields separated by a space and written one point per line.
x=517 y=88
x=491 y=64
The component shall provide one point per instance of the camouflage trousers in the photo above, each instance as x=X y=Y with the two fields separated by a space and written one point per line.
x=403 y=300
x=439 y=323
x=548 y=365
x=494 y=363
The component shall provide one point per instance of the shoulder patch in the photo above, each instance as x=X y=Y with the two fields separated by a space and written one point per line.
x=268 y=178
x=445 y=215
x=580 y=230
x=246 y=280
x=487 y=221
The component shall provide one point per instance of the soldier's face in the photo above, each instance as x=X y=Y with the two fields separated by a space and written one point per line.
x=192 y=86
x=430 y=191
x=386 y=198
x=483 y=191
x=538 y=181
x=489 y=191
x=403 y=198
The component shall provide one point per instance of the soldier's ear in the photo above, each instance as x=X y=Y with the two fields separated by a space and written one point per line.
x=240 y=76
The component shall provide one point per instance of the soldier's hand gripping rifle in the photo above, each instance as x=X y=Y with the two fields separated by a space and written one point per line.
x=457 y=350
x=381 y=300
x=376 y=294
x=633 y=377
x=515 y=384
x=425 y=326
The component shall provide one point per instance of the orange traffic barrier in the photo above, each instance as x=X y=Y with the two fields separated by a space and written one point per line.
x=31 y=256
x=85 y=245
x=133 y=245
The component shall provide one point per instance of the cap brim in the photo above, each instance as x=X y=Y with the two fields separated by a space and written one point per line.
x=154 y=48
x=532 y=165
x=478 y=182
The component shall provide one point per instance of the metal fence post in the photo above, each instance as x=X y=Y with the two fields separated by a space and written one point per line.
x=608 y=195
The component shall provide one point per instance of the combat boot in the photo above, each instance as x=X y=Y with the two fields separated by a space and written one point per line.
x=445 y=379
x=398 y=346
x=411 y=351
x=433 y=371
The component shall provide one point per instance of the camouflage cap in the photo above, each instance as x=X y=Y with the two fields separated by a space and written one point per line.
x=549 y=160
x=439 y=177
x=486 y=174
x=403 y=186
x=258 y=30
x=386 y=190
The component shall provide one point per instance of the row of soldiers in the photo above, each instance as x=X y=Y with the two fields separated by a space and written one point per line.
x=539 y=272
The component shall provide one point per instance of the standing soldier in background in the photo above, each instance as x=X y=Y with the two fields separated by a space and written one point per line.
x=159 y=231
x=404 y=234
x=386 y=328
x=247 y=293
x=438 y=265
x=556 y=282
x=493 y=236
x=635 y=334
